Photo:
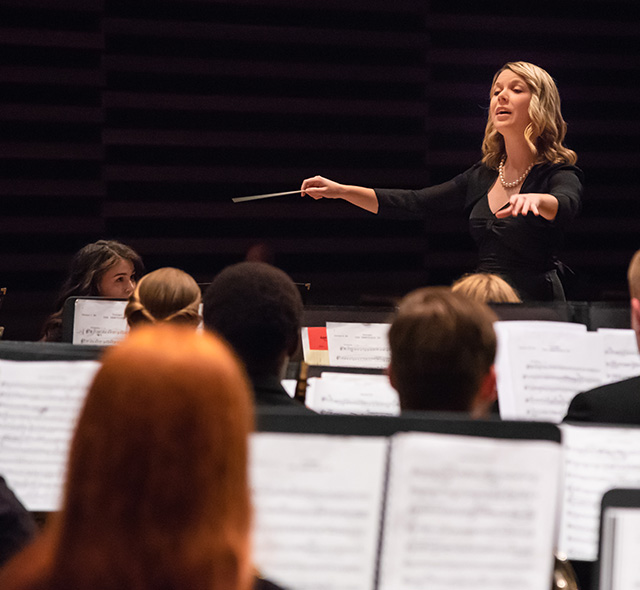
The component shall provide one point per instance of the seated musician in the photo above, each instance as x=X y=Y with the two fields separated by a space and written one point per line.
x=257 y=308
x=443 y=348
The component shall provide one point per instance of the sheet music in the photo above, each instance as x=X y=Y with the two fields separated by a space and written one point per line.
x=470 y=513
x=541 y=366
x=39 y=404
x=352 y=393
x=317 y=509
x=99 y=321
x=620 y=549
x=596 y=459
x=621 y=358
x=358 y=345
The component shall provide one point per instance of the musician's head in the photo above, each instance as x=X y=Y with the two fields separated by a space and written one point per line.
x=486 y=287
x=157 y=493
x=546 y=128
x=633 y=279
x=257 y=308
x=105 y=268
x=167 y=295
x=443 y=349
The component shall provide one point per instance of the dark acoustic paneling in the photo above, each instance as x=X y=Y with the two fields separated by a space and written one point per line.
x=140 y=121
x=51 y=151
x=207 y=101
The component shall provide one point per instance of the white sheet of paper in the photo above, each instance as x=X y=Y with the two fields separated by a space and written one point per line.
x=99 y=321
x=620 y=549
x=353 y=393
x=317 y=506
x=541 y=366
x=39 y=405
x=470 y=513
x=290 y=386
x=621 y=358
x=358 y=345
x=596 y=459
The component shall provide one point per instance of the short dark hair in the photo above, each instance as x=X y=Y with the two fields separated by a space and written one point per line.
x=257 y=308
x=442 y=345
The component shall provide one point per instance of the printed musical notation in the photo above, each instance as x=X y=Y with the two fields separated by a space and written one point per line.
x=477 y=511
x=358 y=345
x=351 y=393
x=39 y=405
x=99 y=321
x=596 y=459
x=317 y=501
x=541 y=366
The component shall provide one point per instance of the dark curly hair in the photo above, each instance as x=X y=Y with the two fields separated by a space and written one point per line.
x=257 y=308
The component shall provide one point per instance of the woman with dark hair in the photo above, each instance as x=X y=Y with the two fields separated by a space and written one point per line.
x=157 y=493
x=520 y=197
x=105 y=268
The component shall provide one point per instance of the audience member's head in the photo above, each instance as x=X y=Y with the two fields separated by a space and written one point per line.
x=105 y=268
x=167 y=295
x=157 y=489
x=258 y=309
x=486 y=287
x=633 y=278
x=443 y=348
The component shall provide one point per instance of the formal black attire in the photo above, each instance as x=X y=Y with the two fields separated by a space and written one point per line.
x=268 y=391
x=523 y=249
x=617 y=403
x=17 y=527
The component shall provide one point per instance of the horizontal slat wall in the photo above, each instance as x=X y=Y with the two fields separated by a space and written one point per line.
x=51 y=151
x=207 y=101
x=592 y=49
x=140 y=121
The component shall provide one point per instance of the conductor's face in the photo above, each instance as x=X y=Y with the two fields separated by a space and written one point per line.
x=510 y=98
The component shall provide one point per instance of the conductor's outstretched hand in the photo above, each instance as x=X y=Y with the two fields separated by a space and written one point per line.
x=319 y=187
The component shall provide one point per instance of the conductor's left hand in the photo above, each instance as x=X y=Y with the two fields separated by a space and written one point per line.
x=521 y=204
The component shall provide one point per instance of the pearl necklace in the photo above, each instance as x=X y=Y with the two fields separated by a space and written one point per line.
x=516 y=182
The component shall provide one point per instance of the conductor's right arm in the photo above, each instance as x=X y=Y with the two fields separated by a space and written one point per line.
x=319 y=187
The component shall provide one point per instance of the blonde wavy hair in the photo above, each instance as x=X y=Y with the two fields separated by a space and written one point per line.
x=547 y=129
x=167 y=295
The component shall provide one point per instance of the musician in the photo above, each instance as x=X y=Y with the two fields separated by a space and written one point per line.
x=257 y=308
x=443 y=348
x=615 y=402
x=166 y=295
x=157 y=491
x=485 y=287
x=520 y=197
x=105 y=268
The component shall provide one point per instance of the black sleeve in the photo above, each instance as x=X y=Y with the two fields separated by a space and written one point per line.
x=565 y=185
x=401 y=203
x=17 y=526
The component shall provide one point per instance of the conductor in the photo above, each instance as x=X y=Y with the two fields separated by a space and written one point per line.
x=520 y=197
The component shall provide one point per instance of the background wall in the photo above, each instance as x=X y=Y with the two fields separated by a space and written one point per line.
x=140 y=122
